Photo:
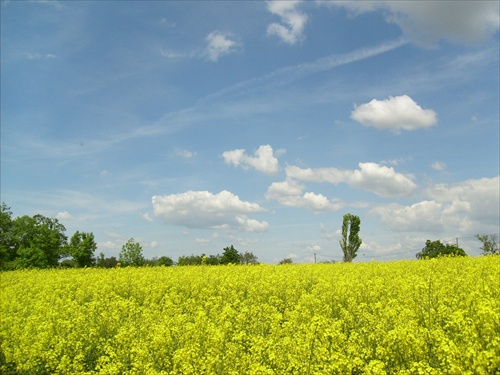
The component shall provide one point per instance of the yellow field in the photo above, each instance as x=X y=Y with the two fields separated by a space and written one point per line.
x=410 y=317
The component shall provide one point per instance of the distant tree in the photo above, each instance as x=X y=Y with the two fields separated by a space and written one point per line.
x=435 y=249
x=213 y=260
x=104 y=262
x=67 y=263
x=189 y=260
x=230 y=255
x=350 y=241
x=131 y=254
x=490 y=243
x=286 y=261
x=248 y=258
x=38 y=241
x=82 y=247
x=165 y=261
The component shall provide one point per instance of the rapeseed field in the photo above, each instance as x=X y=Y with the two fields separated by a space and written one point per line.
x=439 y=316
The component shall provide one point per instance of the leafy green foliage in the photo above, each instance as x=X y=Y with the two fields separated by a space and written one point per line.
x=230 y=255
x=248 y=258
x=286 y=261
x=490 y=243
x=82 y=247
x=350 y=241
x=435 y=249
x=131 y=254
x=33 y=242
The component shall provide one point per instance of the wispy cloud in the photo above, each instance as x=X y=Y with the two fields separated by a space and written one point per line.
x=293 y=21
x=218 y=44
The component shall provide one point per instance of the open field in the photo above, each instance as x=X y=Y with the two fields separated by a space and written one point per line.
x=407 y=317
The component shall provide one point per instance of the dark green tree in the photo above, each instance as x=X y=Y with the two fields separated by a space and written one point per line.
x=286 y=261
x=82 y=247
x=39 y=241
x=165 y=261
x=131 y=254
x=490 y=243
x=435 y=249
x=350 y=241
x=7 y=243
x=189 y=260
x=248 y=258
x=230 y=255
x=104 y=262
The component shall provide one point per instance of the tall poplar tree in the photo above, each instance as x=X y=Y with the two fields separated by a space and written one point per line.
x=350 y=241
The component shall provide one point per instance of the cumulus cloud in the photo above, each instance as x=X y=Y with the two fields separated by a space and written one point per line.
x=379 y=179
x=395 y=114
x=219 y=44
x=427 y=22
x=264 y=160
x=292 y=23
x=202 y=209
x=291 y=194
x=469 y=206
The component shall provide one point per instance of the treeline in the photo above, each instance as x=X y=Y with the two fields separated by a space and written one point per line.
x=41 y=242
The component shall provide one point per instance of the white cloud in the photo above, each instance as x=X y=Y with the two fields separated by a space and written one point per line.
x=378 y=179
x=395 y=113
x=64 y=215
x=426 y=22
x=219 y=45
x=147 y=217
x=263 y=161
x=290 y=193
x=293 y=21
x=438 y=166
x=202 y=209
x=425 y=216
x=185 y=154
x=466 y=207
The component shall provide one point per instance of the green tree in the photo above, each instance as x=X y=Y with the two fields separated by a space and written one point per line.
x=131 y=254
x=104 y=262
x=82 y=247
x=248 y=258
x=39 y=241
x=286 y=261
x=230 y=255
x=435 y=249
x=490 y=243
x=7 y=244
x=350 y=241
x=165 y=261
x=189 y=260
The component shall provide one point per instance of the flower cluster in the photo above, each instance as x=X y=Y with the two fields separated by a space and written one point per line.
x=407 y=317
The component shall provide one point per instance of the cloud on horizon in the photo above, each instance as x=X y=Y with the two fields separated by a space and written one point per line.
x=379 y=179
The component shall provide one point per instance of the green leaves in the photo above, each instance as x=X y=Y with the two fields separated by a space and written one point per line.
x=131 y=254
x=435 y=249
x=350 y=241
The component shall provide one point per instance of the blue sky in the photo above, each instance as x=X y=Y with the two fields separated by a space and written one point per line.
x=191 y=126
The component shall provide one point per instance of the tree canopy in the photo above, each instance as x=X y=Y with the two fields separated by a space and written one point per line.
x=350 y=241
x=131 y=254
x=435 y=249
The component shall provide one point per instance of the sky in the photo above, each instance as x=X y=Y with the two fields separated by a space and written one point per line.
x=191 y=126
